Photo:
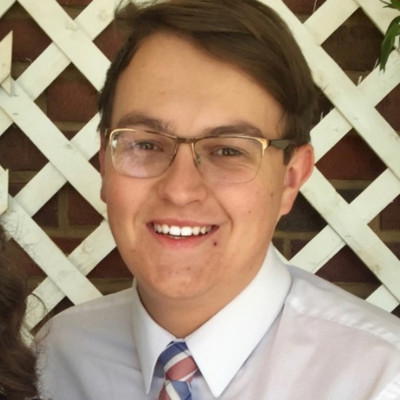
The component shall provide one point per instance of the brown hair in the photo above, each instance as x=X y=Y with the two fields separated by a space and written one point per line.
x=245 y=33
x=17 y=362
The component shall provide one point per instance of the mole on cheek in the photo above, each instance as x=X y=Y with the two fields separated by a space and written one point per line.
x=215 y=244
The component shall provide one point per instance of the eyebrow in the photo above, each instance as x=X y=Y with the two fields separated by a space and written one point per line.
x=139 y=118
x=240 y=128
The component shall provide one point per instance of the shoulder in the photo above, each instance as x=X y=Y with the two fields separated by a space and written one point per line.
x=86 y=343
x=90 y=323
x=319 y=300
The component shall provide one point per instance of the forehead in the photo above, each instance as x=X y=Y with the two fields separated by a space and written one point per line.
x=171 y=79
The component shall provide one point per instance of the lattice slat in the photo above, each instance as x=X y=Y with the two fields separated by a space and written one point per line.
x=48 y=138
x=46 y=254
x=359 y=237
x=3 y=191
x=68 y=36
x=374 y=87
x=86 y=256
x=45 y=184
x=5 y=5
x=326 y=19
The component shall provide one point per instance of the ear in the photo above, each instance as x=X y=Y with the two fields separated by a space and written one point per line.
x=297 y=172
x=102 y=162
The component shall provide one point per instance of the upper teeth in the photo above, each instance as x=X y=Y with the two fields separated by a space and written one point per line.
x=174 y=230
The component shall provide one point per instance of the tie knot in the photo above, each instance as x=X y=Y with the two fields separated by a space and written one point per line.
x=178 y=363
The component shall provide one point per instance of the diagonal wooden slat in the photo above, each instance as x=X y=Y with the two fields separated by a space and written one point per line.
x=375 y=87
x=328 y=242
x=46 y=254
x=35 y=79
x=345 y=96
x=69 y=37
x=350 y=226
x=46 y=183
x=53 y=144
x=328 y=17
x=5 y=64
x=3 y=191
x=382 y=298
x=5 y=5
x=381 y=192
x=379 y=15
x=85 y=257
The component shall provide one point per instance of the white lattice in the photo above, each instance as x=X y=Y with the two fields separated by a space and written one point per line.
x=72 y=42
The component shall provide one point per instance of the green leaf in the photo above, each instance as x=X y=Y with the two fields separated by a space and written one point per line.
x=392 y=4
x=387 y=44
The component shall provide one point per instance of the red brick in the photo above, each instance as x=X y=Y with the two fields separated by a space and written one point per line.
x=351 y=158
x=389 y=108
x=80 y=212
x=61 y=306
x=345 y=266
x=28 y=39
x=74 y=2
x=323 y=106
x=395 y=247
x=302 y=218
x=349 y=194
x=47 y=216
x=296 y=245
x=303 y=6
x=14 y=187
x=67 y=245
x=355 y=45
x=112 y=266
x=278 y=243
x=110 y=41
x=18 y=153
x=71 y=100
x=69 y=134
x=95 y=162
x=390 y=216
x=22 y=260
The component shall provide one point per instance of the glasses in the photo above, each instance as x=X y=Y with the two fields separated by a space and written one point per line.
x=227 y=158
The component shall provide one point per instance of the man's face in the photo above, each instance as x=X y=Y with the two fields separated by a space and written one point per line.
x=175 y=83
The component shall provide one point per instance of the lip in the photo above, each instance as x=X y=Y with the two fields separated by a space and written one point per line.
x=181 y=241
x=180 y=222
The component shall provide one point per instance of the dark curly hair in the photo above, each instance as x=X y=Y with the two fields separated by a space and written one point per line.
x=17 y=361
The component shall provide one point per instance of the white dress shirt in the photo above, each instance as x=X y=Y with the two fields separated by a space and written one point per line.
x=288 y=335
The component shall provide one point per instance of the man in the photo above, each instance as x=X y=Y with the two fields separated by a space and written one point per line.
x=205 y=119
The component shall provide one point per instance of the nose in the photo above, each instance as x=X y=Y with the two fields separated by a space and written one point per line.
x=182 y=183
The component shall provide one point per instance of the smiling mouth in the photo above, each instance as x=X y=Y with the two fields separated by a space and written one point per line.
x=179 y=232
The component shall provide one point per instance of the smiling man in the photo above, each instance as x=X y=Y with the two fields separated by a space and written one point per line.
x=205 y=119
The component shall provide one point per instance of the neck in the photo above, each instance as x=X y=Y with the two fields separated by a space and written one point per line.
x=182 y=316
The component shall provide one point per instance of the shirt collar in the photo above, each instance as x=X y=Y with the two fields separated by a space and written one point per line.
x=257 y=305
x=150 y=339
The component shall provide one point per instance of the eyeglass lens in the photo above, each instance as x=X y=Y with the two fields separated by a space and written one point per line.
x=143 y=154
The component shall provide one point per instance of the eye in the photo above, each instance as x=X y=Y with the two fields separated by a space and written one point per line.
x=227 y=152
x=146 y=146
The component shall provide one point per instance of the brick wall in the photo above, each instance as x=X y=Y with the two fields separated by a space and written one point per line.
x=70 y=101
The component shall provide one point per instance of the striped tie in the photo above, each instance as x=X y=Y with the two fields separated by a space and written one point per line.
x=179 y=368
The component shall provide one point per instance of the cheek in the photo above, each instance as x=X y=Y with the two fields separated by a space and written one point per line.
x=262 y=206
x=121 y=199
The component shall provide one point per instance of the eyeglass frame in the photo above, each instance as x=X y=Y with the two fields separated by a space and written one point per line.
x=281 y=144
